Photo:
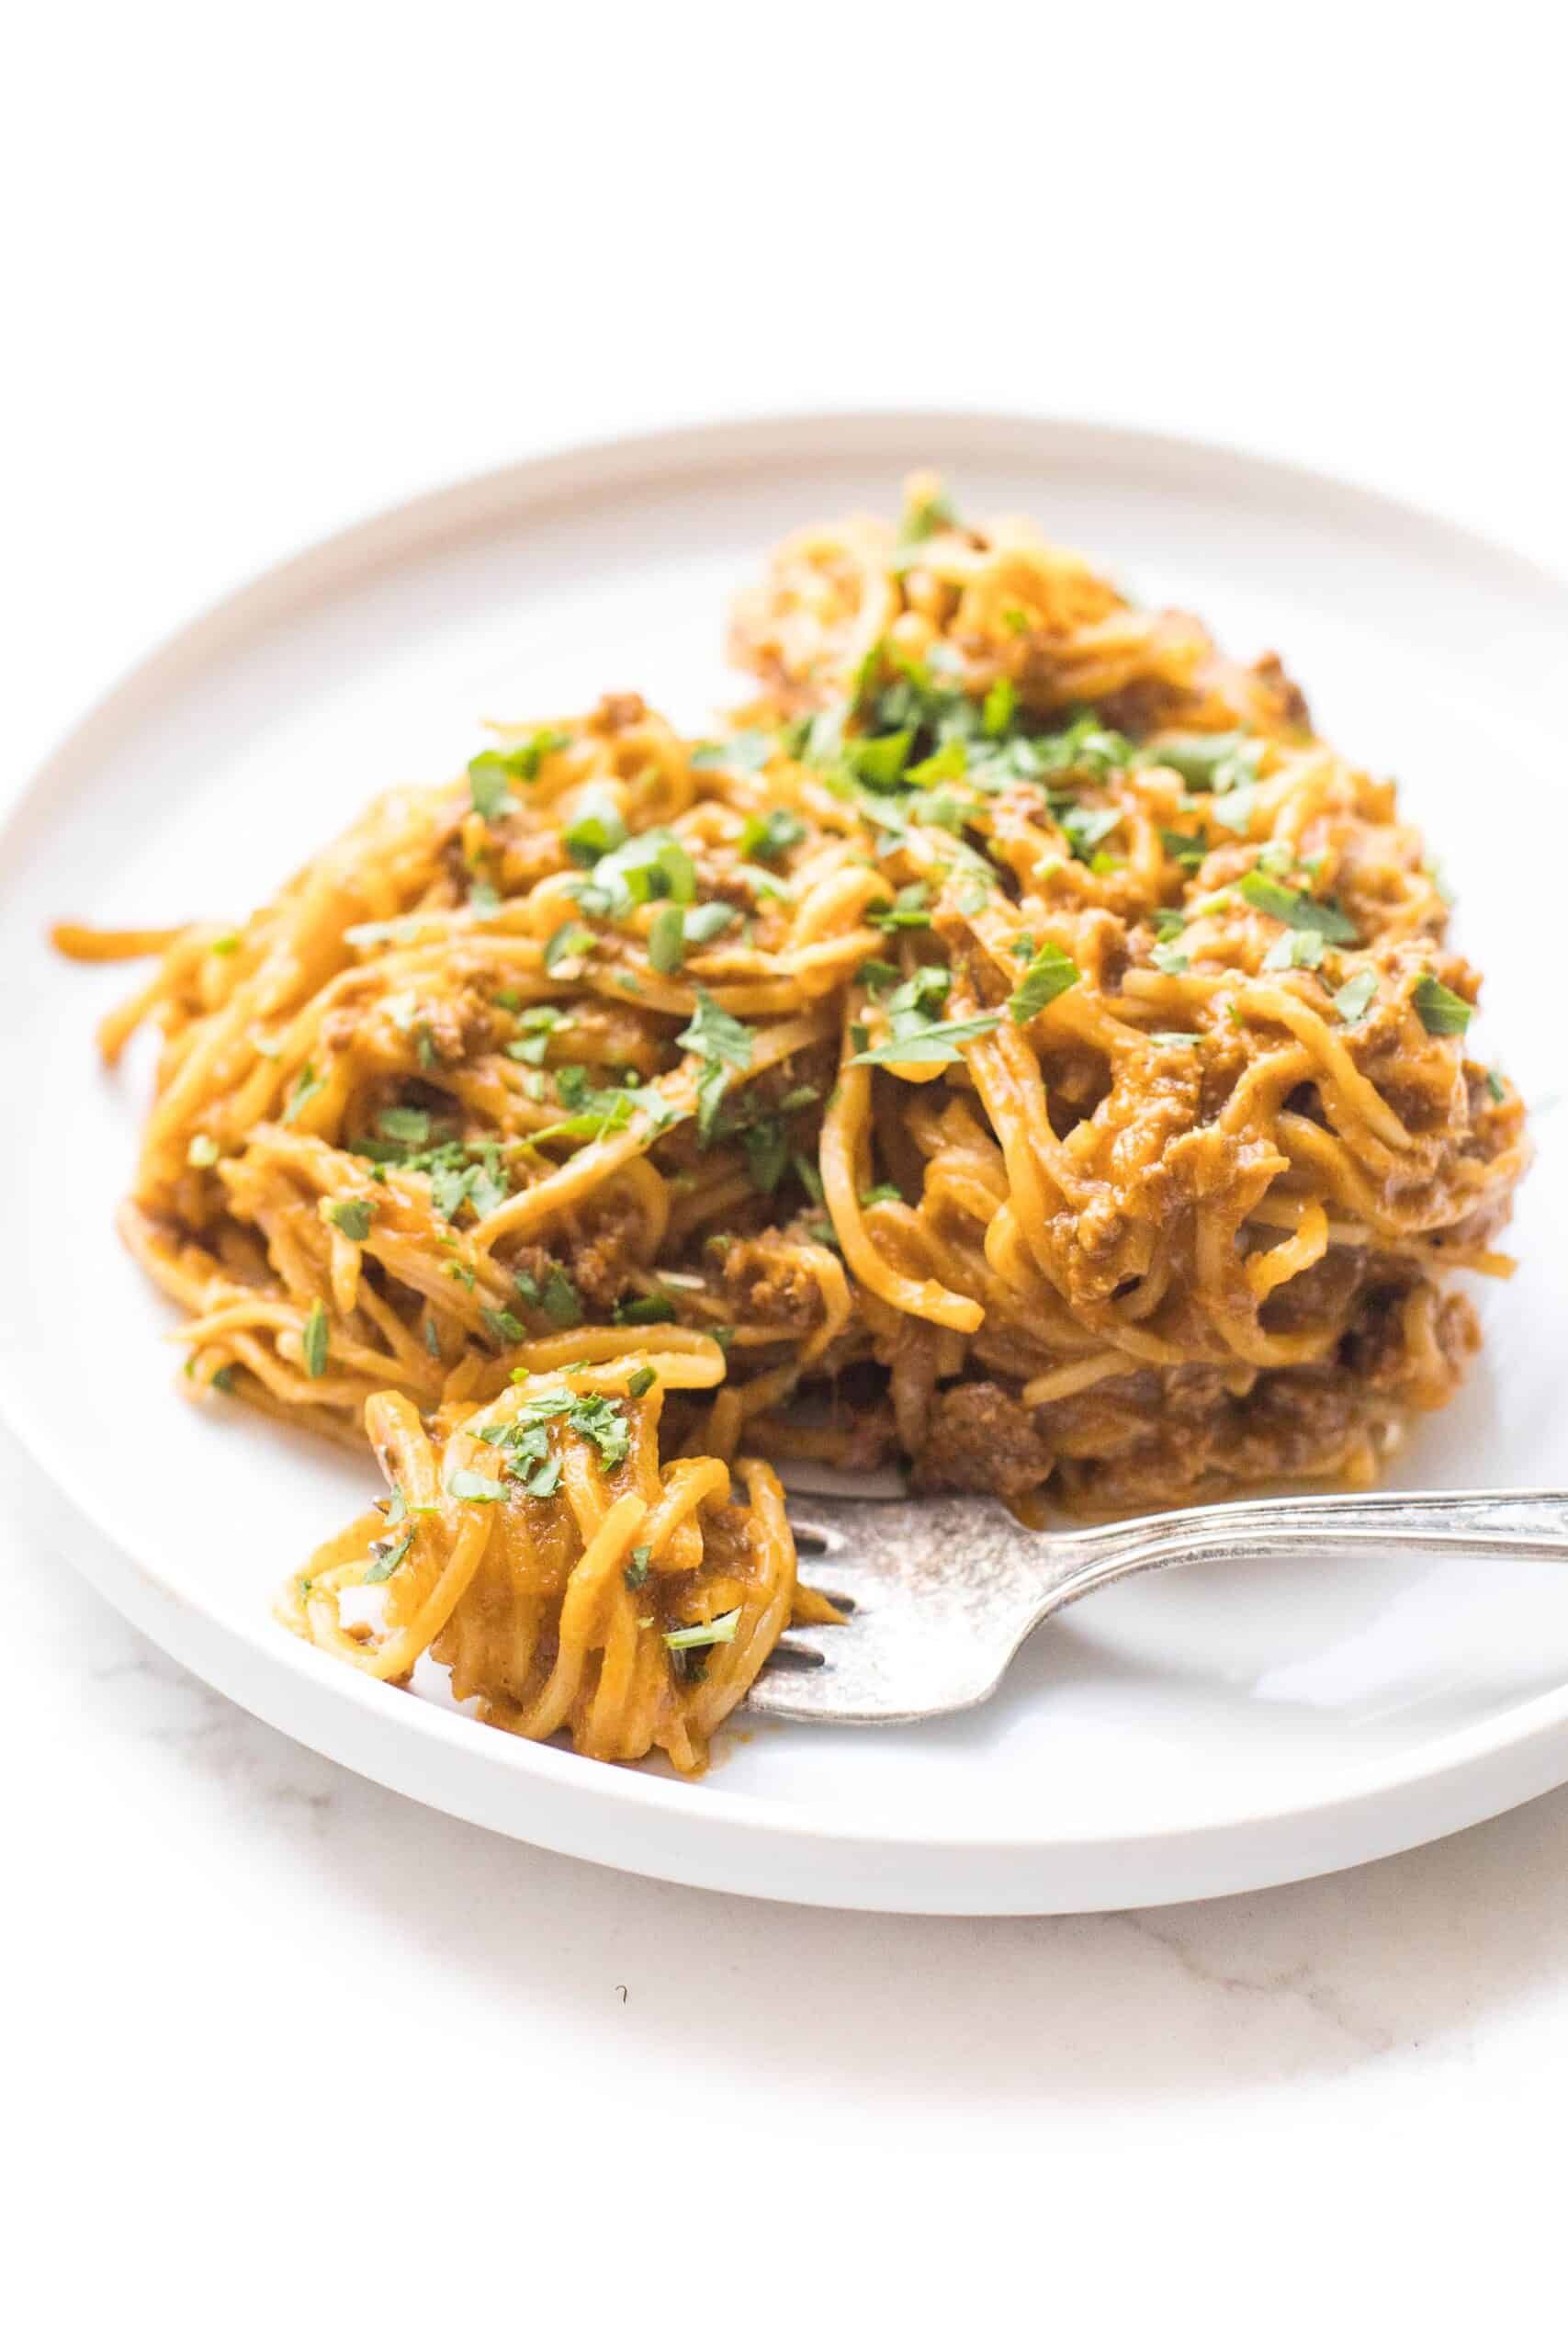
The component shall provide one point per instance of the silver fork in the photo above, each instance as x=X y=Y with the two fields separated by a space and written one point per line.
x=942 y=1590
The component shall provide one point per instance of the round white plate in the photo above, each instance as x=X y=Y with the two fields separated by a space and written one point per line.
x=1198 y=1733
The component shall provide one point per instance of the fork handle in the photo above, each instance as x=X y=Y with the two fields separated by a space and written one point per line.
x=1518 y=1524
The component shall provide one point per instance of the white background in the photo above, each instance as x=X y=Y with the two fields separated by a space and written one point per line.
x=289 y=2057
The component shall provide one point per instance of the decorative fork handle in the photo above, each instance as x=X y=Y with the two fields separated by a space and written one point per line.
x=1525 y=1524
x=943 y=1588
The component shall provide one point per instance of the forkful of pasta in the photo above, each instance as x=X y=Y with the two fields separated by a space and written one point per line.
x=936 y=1594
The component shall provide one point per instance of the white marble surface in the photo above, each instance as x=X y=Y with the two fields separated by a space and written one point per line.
x=287 y=2053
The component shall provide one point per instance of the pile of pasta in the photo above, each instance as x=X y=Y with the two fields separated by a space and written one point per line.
x=571 y=1580
x=1018 y=1049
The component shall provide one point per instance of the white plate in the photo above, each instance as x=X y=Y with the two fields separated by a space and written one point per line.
x=1200 y=1734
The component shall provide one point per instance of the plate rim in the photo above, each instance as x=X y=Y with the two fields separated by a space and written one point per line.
x=1525 y=1745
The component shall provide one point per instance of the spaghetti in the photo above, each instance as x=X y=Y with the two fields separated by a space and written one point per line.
x=1021 y=1047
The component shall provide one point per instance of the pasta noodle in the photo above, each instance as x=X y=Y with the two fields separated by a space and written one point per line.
x=1019 y=1048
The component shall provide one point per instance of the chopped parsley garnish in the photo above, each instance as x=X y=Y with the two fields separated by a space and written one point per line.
x=1086 y=747
x=944 y=767
x=594 y=1111
x=466 y=1172
x=1235 y=809
x=910 y=910
x=763 y=883
x=567 y=945
x=484 y=899
x=597 y=827
x=555 y=1294
x=667 y=938
x=1189 y=850
x=998 y=710
x=702 y=1637
x=924 y=992
x=1294 y=906
x=919 y=1040
x=1295 y=949
x=403 y=1123
x=743 y=754
x=403 y=929
x=535 y=1025
x=724 y=1044
x=1495 y=1086
x=489 y=779
x=559 y=1297
x=399 y=1508
x=924 y=517
x=1171 y=959
x=1442 y=1013
x=594 y=1416
x=1051 y=973
x=1086 y=828
x=771 y=833
x=650 y=866
x=652 y=1306
x=602 y=1421
x=636 y=1568
x=469 y=1487
x=228 y=946
x=307 y=1086
x=494 y=770
x=1221 y=763
x=880 y=759
x=766 y=1147
x=704 y=923
x=389 y=1558
x=352 y=1218
x=875 y=1193
x=1175 y=1037
x=201 y=1152
x=502 y=1326
x=313 y=1340
x=639 y=1381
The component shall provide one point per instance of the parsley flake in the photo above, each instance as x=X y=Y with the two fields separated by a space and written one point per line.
x=307 y=1086
x=698 y=1637
x=469 y=1487
x=1293 y=907
x=352 y=1218
x=667 y=938
x=1442 y=1013
x=930 y=1041
x=597 y=827
x=771 y=833
x=704 y=923
x=313 y=1340
x=1051 y=973
x=743 y=754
